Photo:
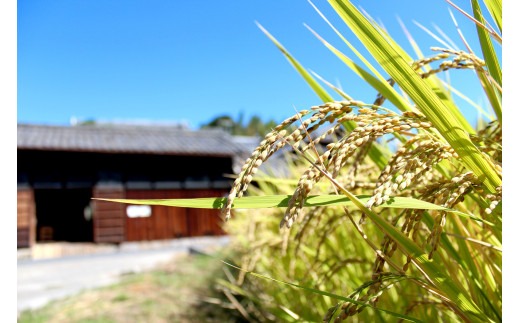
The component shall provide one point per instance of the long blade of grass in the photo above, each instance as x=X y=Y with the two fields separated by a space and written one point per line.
x=412 y=41
x=468 y=100
x=335 y=88
x=270 y=201
x=492 y=62
x=316 y=87
x=390 y=57
x=380 y=86
x=495 y=8
x=253 y=202
x=488 y=50
x=493 y=33
x=437 y=38
x=493 y=95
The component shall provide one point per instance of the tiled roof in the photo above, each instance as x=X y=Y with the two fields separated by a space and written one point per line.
x=115 y=138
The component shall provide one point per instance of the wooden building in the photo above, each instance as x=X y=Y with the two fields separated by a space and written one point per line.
x=61 y=168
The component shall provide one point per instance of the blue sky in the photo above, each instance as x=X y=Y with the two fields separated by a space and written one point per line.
x=190 y=61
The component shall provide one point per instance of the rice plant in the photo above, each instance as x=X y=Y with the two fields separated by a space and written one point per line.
x=395 y=209
x=369 y=260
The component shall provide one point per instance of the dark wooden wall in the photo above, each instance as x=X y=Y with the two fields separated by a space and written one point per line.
x=173 y=222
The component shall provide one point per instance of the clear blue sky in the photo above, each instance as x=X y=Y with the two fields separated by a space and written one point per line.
x=191 y=61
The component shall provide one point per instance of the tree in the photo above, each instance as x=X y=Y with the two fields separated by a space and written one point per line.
x=254 y=127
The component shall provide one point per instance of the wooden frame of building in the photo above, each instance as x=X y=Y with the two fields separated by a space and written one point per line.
x=61 y=168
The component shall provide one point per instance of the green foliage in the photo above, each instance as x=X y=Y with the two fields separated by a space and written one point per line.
x=254 y=127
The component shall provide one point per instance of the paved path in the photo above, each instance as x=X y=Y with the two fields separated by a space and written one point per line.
x=40 y=281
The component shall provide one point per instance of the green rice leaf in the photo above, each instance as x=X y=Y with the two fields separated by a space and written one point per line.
x=353 y=48
x=495 y=7
x=493 y=95
x=492 y=63
x=468 y=100
x=412 y=41
x=380 y=86
x=486 y=45
x=316 y=87
x=270 y=201
x=254 y=202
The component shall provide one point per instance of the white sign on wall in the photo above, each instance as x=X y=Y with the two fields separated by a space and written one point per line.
x=138 y=211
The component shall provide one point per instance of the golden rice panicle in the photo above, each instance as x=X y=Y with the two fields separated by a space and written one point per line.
x=336 y=111
x=314 y=142
x=311 y=176
x=412 y=161
x=489 y=140
x=272 y=142
x=495 y=199
x=388 y=248
x=372 y=291
x=297 y=200
x=407 y=166
x=278 y=138
x=351 y=309
x=371 y=125
x=328 y=112
x=449 y=196
x=460 y=60
x=428 y=60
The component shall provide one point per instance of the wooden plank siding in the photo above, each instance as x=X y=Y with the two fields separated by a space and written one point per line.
x=164 y=223
x=108 y=217
x=26 y=218
x=173 y=222
x=202 y=222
